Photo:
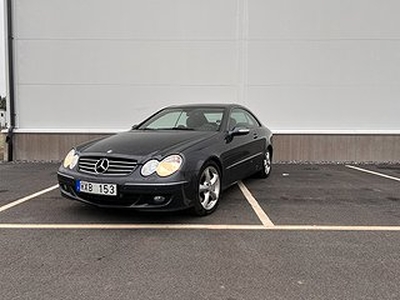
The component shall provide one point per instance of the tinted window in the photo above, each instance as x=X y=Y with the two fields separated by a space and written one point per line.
x=167 y=120
x=242 y=118
x=201 y=119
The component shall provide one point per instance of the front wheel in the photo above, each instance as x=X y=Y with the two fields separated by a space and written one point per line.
x=208 y=190
x=266 y=164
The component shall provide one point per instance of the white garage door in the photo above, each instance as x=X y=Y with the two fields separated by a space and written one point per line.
x=310 y=65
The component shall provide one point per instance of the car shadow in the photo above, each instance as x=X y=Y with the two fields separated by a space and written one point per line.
x=229 y=211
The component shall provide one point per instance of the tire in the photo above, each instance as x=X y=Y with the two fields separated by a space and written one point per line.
x=209 y=190
x=266 y=165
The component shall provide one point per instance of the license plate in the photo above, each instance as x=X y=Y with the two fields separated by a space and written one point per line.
x=104 y=189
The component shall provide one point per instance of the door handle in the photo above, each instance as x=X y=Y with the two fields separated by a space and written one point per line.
x=255 y=135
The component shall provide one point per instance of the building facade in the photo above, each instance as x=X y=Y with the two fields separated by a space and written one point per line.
x=323 y=75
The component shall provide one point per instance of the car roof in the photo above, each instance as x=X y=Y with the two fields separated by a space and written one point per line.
x=207 y=105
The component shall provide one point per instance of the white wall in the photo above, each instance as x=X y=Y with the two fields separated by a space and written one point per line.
x=2 y=51
x=300 y=65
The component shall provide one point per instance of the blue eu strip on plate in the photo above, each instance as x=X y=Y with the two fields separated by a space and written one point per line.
x=78 y=186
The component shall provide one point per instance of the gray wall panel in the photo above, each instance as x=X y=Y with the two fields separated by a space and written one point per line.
x=126 y=19
x=127 y=62
x=99 y=108
x=297 y=108
x=324 y=63
x=324 y=19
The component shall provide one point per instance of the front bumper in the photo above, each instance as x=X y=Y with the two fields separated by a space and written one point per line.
x=167 y=196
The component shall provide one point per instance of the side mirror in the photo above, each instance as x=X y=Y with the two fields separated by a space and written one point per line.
x=239 y=131
x=236 y=132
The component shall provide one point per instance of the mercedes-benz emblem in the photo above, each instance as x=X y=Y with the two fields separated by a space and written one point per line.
x=102 y=166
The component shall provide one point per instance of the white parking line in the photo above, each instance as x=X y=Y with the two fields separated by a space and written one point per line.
x=267 y=224
x=132 y=226
x=265 y=220
x=27 y=198
x=373 y=173
x=198 y=227
x=336 y=228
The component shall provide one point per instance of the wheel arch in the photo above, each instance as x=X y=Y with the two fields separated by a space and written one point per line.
x=216 y=161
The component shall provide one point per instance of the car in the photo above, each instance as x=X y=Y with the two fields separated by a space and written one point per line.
x=180 y=157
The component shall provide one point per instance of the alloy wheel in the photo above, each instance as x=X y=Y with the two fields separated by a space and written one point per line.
x=209 y=188
x=267 y=162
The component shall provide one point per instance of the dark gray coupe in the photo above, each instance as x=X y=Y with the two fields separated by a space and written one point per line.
x=180 y=157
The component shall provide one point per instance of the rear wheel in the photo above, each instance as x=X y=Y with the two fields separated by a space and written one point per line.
x=208 y=190
x=266 y=164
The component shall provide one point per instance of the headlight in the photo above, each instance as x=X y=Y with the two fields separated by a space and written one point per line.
x=166 y=167
x=71 y=159
x=150 y=167
x=169 y=165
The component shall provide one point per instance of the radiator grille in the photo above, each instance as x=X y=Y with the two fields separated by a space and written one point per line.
x=110 y=166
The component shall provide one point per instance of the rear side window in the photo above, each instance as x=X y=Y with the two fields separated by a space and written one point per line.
x=242 y=118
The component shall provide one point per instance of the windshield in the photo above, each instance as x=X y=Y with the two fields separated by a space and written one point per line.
x=199 y=119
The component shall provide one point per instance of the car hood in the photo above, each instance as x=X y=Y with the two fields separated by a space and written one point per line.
x=141 y=144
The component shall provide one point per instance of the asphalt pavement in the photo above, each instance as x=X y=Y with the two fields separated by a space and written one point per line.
x=334 y=233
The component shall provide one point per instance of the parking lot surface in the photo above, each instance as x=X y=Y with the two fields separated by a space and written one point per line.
x=307 y=232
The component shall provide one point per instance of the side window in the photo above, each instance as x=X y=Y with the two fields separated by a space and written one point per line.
x=242 y=118
x=252 y=120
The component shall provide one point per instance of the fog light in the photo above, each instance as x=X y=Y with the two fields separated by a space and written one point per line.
x=159 y=199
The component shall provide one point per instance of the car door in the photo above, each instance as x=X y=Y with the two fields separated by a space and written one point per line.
x=244 y=151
